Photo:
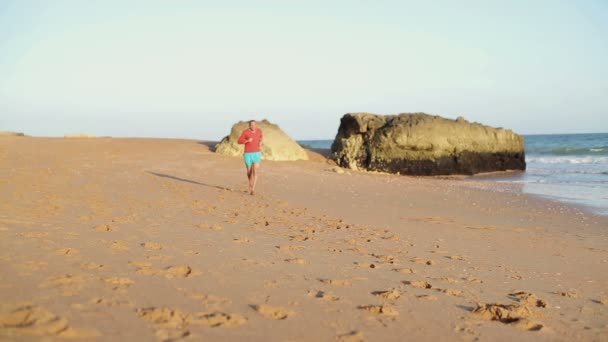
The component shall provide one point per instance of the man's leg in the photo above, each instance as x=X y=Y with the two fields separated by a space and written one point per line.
x=254 y=176
x=249 y=173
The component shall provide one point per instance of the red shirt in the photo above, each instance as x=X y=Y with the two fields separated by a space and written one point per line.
x=254 y=145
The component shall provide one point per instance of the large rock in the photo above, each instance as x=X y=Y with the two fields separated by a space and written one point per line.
x=276 y=144
x=422 y=144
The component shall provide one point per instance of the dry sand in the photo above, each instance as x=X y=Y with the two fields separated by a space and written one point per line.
x=152 y=239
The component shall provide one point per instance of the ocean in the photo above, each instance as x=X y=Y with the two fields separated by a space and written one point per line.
x=565 y=167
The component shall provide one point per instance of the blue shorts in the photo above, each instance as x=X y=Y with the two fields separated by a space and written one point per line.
x=252 y=158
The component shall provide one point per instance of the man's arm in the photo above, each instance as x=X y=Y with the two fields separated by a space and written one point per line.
x=242 y=138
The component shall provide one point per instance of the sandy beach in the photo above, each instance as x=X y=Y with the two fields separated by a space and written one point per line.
x=115 y=239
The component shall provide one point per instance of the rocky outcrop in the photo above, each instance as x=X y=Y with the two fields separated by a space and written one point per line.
x=276 y=144
x=422 y=144
x=11 y=134
x=80 y=135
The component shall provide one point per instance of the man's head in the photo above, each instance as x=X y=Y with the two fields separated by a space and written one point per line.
x=252 y=125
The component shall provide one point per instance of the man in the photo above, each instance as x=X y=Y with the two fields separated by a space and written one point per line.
x=252 y=138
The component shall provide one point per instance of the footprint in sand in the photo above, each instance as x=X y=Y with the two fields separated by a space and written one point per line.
x=336 y=282
x=448 y=280
x=390 y=294
x=217 y=319
x=205 y=299
x=512 y=314
x=231 y=221
x=67 y=280
x=404 y=270
x=210 y=226
x=528 y=298
x=297 y=261
x=427 y=297
x=152 y=245
x=353 y=336
x=567 y=294
x=120 y=246
x=162 y=316
x=289 y=248
x=171 y=334
x=439 y=252
x=170 y=324
x=273 y=312
x=111 y=302
x=119 y=281
x=241 y=240
x=125 y=219
x=105 y=228
x=380 y=309
x=422 y=261
x=271 y=284
x=474 y=280
x=300 y=237
x=175 y=321
x=67 y=251
x=419 y=284
x=32 y=320
x=145 y=268
x=451 y=292
x=327 y=296
x=178 y=271
x=159 y=257
x=91 y=266
x=365 y=265
x=385 y=259
x=603 y=301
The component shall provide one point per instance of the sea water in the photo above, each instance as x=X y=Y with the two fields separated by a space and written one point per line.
x=566 y=167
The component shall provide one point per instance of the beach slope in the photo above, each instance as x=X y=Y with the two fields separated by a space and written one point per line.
x=156 y=239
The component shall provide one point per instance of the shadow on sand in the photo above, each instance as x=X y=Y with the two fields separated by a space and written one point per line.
x=210 y=144
x=325 y=152
x=188 y=181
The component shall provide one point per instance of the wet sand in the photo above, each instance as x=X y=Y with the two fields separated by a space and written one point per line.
x=156 y=239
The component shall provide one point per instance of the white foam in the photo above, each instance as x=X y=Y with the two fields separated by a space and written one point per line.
x=567 y=160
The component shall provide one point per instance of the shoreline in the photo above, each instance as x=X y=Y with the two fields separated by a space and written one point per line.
x=322 y=155
x=161 y=233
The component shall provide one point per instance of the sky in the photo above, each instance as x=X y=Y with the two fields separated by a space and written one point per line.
x=191 y=69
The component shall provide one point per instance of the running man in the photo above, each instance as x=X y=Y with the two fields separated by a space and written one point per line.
x=252 y=138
